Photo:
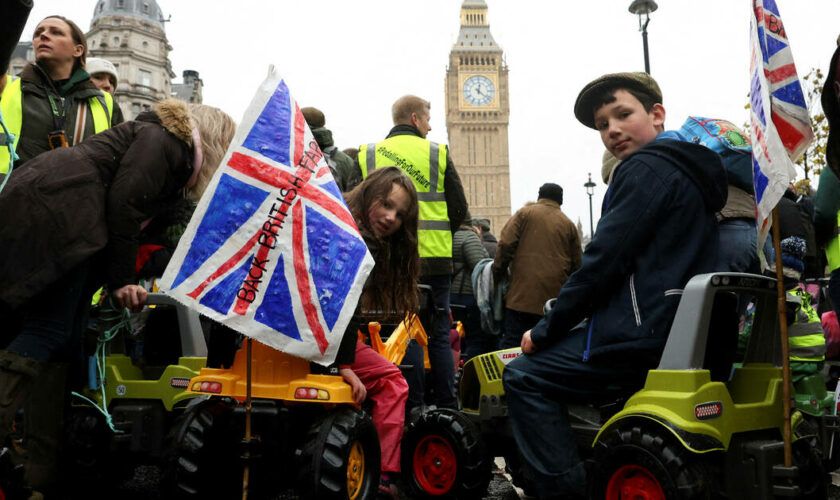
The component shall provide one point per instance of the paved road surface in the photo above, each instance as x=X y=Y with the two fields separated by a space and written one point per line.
x=144 y=487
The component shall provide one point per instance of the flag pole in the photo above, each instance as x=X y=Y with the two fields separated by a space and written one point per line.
x=782 y=302
x=247 y=454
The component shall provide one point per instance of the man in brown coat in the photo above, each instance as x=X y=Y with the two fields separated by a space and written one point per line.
x=542 y=248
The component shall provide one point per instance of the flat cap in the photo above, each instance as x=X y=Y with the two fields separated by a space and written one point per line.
x=638 y=81
x=481 y=222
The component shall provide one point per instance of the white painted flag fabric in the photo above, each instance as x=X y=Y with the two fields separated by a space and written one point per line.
x=780 y=129
x=272 y=250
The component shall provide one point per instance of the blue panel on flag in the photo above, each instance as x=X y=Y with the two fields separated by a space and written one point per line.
x=791 y=93
x=271 y=133
x=333 y=190
x=334 y=258
x=774 y=45
x=276 y=309
x=763 y=44
x=770 y=5
x=233 y=203
x=759 y=180
x=221 y=296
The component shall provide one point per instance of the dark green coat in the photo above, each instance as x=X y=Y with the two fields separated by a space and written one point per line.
x=38 y=119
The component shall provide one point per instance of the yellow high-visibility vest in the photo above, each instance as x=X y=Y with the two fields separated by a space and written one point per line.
x=424 y=162
x=11 y=105
x=806 y=339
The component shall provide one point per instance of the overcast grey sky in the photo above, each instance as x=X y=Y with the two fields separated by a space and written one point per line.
x=353 y=59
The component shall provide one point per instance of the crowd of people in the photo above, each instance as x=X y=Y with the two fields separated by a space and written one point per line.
x=90 y=200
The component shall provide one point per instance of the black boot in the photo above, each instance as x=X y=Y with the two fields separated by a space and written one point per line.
x=17 y=374
x=43 y=416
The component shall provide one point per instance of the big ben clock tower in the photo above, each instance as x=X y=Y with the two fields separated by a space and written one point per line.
x=477 y=116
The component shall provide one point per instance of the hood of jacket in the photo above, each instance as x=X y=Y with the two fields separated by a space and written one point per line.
x=174 y=116
x=699 y=163
x=323 y=136
x=831 y=107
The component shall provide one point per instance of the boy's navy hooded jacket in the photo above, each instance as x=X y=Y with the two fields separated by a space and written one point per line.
x=657 y=230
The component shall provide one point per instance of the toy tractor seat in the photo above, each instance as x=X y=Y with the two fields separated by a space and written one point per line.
x=722 y=340
x=720 y=353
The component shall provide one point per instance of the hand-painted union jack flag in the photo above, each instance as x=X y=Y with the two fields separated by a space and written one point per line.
x=272 y=250
x=780 y=126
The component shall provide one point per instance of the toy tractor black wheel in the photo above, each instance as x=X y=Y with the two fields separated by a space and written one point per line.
x=444 y=456
x=201 y=460
x=88 y=456
x=813 y=479
x=642 y=462
x=339 y=457
x=12 y=484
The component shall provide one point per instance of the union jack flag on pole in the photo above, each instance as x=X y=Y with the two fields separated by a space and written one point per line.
x=780 y=128
x=272 y=250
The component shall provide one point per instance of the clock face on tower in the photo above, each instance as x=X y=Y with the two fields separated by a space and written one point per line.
x=479 y=90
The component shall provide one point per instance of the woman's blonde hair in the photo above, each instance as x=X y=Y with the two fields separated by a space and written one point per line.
x=216 y=129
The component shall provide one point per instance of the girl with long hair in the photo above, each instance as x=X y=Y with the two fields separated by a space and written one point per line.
x=385 y=209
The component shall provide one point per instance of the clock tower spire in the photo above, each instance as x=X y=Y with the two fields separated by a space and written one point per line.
x=477 y=115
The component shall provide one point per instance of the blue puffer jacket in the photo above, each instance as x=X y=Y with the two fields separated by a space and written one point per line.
x=657 y=230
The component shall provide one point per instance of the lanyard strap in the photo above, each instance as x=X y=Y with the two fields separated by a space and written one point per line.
x=59 y=110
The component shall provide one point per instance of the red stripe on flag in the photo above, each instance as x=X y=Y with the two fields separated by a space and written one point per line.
x=280 y=178
x=300 y=126
x=791 y=137
x=237 y=257
x=781 y=73
x=241 y=306
x=302 y=277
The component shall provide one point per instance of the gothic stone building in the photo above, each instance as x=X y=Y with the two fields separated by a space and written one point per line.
x=130 y=34
x=477 y=116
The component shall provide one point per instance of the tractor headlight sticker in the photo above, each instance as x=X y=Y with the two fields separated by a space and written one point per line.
x=179 y=382
x=708 y=411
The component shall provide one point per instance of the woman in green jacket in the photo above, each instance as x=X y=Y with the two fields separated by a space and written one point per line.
x=54 y=103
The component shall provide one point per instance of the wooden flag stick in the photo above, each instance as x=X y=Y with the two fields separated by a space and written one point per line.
x=780 y=290
x=246 y=469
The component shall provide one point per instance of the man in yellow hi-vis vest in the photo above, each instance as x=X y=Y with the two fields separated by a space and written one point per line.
x=442 y=209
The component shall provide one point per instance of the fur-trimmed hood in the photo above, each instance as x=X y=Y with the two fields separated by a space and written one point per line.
x=174 y=115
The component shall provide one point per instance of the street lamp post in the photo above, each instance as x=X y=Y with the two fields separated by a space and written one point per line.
x=590 y=190
x=644 y=8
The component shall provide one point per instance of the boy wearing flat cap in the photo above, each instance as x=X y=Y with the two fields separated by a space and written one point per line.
x=657 y=230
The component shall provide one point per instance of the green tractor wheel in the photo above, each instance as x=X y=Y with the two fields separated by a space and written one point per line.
x=638 y=462
x=202 y=461
x=339 y=457
x=444 y=457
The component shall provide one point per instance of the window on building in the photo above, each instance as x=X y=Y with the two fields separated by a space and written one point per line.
x=135 y=108
x=120 y=3
x=144 y=78
x=145 y=44
x=117 y=41
x=118 y=21
x=93 y=44
x=147 y=107
x=145 y=7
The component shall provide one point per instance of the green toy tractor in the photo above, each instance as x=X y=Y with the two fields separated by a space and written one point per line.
x=142 y=400
x=697 y=428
